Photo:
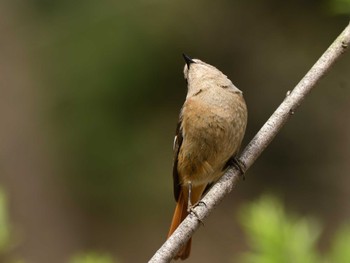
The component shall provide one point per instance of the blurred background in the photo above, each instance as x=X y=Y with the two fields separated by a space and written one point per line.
x=90 y=93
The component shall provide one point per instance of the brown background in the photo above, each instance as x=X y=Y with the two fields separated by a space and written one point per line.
x=90 y=92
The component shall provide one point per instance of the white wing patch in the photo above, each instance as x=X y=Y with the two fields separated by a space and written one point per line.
x=175 y=141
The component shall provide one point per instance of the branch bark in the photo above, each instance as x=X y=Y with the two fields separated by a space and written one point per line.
x=258 y=144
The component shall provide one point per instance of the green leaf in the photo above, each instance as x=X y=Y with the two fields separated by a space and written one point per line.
x=92 y=257
x=4 y=223
x=340 y=250
x=275 y=236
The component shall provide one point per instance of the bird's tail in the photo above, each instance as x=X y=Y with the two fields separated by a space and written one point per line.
x=181 y=213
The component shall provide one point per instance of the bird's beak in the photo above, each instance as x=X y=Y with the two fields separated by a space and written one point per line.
x=188 y=60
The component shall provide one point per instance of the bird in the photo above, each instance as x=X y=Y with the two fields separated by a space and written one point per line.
x=209 y=134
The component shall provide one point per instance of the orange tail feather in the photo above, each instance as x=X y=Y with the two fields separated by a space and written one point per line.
x=181 y=213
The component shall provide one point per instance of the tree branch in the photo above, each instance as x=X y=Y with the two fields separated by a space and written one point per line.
x=258 y=144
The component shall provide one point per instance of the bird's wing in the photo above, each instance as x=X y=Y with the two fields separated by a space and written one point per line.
x=177 y=145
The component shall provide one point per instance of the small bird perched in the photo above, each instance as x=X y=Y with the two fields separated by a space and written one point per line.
x=208 y=137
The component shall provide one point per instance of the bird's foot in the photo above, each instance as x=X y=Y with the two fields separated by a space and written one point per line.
x=191 y=210
x=240 y=166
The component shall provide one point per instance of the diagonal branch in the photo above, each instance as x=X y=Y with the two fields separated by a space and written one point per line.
x=258 y=144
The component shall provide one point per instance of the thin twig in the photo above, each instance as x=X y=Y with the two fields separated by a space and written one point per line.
x=258 y=144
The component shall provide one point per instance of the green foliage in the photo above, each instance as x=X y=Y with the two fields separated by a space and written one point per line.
x=92 y=258
x=340 y=6
x=275 y=236
x=340 y=251
x=6 y=235
x=107 y=94
x=4 y=223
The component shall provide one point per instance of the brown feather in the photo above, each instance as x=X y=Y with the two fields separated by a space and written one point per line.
x=181 y=213
x=210 y=130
